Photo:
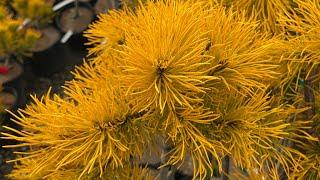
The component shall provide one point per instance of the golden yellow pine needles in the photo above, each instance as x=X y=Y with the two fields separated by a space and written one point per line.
x=303 y=26
x=266 y=11
x=102 y=40
x=163 y=64
x=195 y=72
x=252 y=130
x=242 y=56
x=65 y=133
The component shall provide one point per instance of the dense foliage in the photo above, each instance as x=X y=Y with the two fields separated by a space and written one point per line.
x=38 y=11
x=211 y=78
x=15 y=40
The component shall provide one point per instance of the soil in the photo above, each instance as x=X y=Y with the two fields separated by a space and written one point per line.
x=77 y=24
x=49 y=36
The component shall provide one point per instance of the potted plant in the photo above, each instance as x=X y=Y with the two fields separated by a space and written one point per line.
x=15 y=43
x=198 y=75
x=72 y=19
x=39 y=14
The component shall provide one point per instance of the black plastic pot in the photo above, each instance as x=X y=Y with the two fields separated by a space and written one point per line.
x=19 y=101
x=65 y=21
x=54 y=58
x=50 y=36
x=16 y=87
x=93 y=2
x=50 y=59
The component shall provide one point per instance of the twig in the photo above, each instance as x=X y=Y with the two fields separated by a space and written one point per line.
x=309 y=96
x=166 y=172
x=226 y=167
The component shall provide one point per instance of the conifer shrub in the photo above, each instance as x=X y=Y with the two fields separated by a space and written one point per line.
x=303 y=25
x=203 y=76
x=37 y=11
x=14 y=39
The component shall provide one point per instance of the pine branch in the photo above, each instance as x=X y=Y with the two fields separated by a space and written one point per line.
x=309 y=96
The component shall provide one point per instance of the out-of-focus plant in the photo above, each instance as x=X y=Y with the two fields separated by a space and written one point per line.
x=38 y=11
x=14 y=39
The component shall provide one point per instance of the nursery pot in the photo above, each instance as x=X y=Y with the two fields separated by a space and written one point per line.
x=14 y=94
x=13 y=91
x=10 y=69
x=49 y=55
x=49 y=37
x=13 y=83
x=74 y=19
x=9 y=98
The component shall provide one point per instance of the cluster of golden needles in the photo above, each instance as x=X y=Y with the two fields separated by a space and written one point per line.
x=214 y=80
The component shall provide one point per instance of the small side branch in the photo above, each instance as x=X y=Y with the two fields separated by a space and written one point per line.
x=226 y=168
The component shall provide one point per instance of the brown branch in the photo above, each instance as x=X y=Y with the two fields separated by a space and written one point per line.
x=309 y=96
x=226 y=168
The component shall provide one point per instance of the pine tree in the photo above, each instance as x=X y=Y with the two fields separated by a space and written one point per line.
x=203 y=76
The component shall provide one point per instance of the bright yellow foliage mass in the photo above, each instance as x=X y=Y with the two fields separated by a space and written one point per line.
x=199 y=74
